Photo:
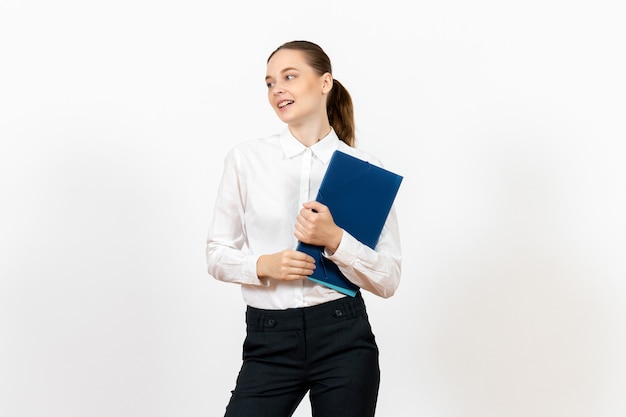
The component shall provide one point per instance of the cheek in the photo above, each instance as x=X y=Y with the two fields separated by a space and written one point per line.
x=270 y=101
x=313 y=88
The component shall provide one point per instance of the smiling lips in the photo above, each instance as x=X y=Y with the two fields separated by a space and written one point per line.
x=284 y=103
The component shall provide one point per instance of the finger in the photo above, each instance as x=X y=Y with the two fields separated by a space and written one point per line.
x=314 y=206
x=307 y=266
x=299 y=226
x=301 y=256
x=305 y=215
x=301 y=267
x=294 y=276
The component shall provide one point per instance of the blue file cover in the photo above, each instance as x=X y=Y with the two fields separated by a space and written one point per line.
x=359 y=196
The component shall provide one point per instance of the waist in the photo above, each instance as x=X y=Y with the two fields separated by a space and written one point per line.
x=345 y=308
x=280 y=295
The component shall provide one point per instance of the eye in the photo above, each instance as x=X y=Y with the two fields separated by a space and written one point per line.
x=290 y=77
x=269 y=84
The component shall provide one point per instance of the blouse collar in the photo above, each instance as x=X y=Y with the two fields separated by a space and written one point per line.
x=323 y=149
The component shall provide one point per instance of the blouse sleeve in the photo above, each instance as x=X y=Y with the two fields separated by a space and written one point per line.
x=374 y=270
x=226 y=255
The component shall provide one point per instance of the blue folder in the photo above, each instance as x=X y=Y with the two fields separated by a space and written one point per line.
x=359 y=196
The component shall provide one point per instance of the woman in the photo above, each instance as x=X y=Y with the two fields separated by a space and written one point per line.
x=301 y=336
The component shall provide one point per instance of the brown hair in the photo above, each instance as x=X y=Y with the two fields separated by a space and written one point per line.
x=339 y=104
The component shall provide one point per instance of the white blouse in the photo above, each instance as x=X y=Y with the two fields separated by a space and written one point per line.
x=263 y=186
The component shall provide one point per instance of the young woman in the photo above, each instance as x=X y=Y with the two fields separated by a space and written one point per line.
x=301 y=336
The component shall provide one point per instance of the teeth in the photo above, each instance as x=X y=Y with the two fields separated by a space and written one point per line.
x=284 y=103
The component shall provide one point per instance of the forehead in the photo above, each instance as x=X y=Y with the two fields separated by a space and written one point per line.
x=287 y=58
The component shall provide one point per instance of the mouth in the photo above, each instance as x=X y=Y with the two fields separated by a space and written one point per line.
x=285 y=103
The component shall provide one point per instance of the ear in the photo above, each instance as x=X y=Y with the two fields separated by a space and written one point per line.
x=327 y=83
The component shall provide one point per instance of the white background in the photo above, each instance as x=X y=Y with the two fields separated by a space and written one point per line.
x=505 y=118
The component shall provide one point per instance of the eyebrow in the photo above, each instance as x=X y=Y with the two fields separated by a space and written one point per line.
x=283 y=71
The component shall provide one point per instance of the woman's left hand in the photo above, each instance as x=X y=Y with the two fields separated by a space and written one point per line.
x=315 y=226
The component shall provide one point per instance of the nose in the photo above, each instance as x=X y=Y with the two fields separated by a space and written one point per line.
x=277 y=89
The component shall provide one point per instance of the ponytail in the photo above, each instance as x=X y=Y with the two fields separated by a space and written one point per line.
x=341 y=113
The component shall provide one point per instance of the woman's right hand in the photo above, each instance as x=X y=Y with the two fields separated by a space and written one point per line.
x=287 y=265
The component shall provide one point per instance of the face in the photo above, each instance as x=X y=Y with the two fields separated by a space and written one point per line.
x=295 y=91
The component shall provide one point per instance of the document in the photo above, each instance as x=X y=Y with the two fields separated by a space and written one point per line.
x=359 y=196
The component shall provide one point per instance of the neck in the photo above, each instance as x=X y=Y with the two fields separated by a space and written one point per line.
x=310 y=135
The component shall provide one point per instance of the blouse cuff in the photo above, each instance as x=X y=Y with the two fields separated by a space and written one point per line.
x=347 y=250
x=250 y=276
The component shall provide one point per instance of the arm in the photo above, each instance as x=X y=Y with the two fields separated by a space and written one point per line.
x=375 y=270
x=227 y=257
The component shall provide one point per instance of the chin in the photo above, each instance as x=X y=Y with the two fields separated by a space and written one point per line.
x=284 y=118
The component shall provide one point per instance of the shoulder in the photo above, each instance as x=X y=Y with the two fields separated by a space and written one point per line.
x=256 y=145
x=254 y=148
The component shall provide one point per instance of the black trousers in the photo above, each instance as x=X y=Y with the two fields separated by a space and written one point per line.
x=327 y=350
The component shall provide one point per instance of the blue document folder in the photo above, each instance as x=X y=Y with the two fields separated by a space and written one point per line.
x=359 y=196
